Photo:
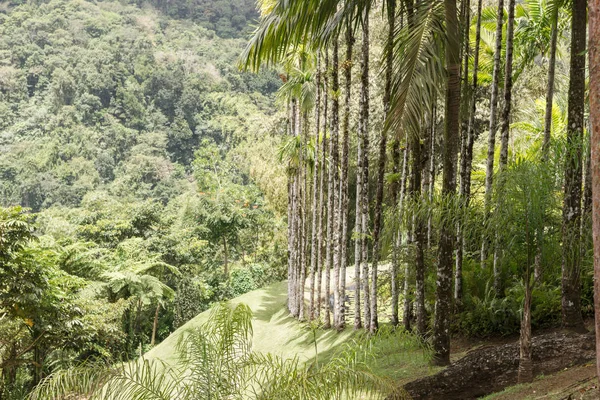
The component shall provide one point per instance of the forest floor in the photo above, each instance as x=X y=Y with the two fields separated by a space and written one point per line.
x=577 y=383
x=276 y=332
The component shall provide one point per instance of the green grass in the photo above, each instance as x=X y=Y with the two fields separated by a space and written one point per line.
x=397 y=356
x=275 y=330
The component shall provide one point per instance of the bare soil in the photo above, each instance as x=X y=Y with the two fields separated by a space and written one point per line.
x=492 y=368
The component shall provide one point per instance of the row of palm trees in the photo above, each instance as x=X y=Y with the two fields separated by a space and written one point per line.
x=433 y=56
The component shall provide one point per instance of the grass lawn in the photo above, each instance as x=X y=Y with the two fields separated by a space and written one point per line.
x=396 y=356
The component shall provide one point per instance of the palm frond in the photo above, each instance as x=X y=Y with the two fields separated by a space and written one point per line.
x=418 y=67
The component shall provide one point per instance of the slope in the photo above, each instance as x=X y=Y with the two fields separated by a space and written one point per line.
x=275 y=330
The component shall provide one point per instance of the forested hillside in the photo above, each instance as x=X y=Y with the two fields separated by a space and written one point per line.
x=404 y=194
x=130 y=139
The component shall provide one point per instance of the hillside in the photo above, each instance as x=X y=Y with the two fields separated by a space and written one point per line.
x=275 y=330
x=139 y=181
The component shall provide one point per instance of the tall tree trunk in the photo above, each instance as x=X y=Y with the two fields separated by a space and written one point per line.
x=489 y=170
x=475 y=91
x=322 y=216
x=464 y=155
x=395 y=289
x=330 y=221
x=443 y=302
x=587 y=188
x=292 y=219
x=391 y=15
x=418 y=233
x=508 y=84
x=594 y=54
x=303 y=215
x=298 y=216
x=432 y=169
x=505 y=131
x=378 y=220
x=571 y=268
x=550 y=88
x=316 y=211
x=155 y=325
x=364 y=127
x=467 y=158
x=337 y=234
x=344 y=179
x=358 y=232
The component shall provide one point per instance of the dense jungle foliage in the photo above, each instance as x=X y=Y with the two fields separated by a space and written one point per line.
x=129 y=139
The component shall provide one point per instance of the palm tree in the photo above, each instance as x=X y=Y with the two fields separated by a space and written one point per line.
x=364 y=133
x=489 y=171
x=594 y=43
x=467 y=158
x=299 y=89
x=508 y=83
x=571 y=269
x=443 y=303
x=322 y=215
x=555 y=5
x=378 y=221
x=316 y=211
x=335 y=172
x=524 y=201
x=358 y=233
x=505 y=128
x=344 y=177
x=390 y=7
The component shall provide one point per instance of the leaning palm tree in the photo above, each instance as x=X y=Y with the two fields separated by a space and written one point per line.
x=215 y=361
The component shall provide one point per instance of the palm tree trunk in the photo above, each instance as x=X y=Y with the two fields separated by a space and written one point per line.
x=344 y=178
x=571 y=268
x=364 y=126
x=549 y=105
x=330 y=219
x=358 y=233
x=378 y=220
x=550 y=88
x=391 y=15
x=431 y=169
x=418 y=235
x=525 y=360
x=322 y=216
x=594 y=54
x=298 y=215
x=406 y=291
x=464 y=153
x=303 y=215
x=489 y=170
x=443 y=302
x=398 y=243
x=316 y=211
x=335 y=159
x=587 y=189
x=508 y=84
x=475 y=90
x=155 y=325
x=292 y=221
x=505 y=131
